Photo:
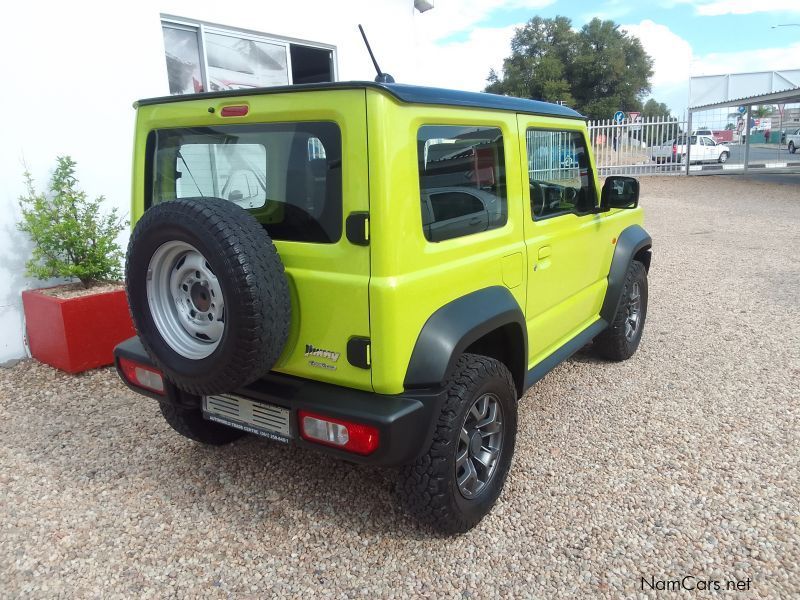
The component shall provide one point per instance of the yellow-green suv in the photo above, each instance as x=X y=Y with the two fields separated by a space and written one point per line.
x=377 y=271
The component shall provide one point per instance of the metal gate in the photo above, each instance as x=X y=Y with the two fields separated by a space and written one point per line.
x=640 y=147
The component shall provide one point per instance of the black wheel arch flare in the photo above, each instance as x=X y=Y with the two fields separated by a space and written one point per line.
x=482 y=315
x=633 y=243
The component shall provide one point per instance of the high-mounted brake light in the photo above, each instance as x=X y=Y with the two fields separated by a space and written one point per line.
x=142 y=376
x=239 y=110
x=353 y=437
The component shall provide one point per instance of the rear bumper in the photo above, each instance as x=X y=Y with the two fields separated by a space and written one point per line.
x=405 y=421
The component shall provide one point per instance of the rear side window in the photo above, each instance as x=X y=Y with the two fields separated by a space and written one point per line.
x=462 y=180
x=288 y=175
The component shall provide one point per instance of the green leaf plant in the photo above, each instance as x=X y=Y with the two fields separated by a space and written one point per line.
x=72 y=238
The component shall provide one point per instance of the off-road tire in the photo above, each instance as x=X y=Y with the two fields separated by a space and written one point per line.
x=250 y=273
x=428 y=487
x=613 y=343
x=189 y=422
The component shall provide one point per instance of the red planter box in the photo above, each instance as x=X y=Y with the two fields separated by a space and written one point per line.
x=76 y=334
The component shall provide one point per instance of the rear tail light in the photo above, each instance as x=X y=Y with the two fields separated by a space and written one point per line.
x=674 y=149
x=142 y=376
x=353 y=437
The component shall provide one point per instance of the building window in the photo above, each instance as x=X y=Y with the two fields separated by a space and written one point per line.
x=204 y=57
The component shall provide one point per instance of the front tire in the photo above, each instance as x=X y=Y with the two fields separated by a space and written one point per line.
x=621 y=340
x=458 y=480
x=189 y=422
x=723 y=158
x=792 y=149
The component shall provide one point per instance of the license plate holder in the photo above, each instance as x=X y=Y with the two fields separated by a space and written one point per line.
x=259 y=418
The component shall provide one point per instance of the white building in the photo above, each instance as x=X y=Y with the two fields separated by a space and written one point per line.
x=75 y=69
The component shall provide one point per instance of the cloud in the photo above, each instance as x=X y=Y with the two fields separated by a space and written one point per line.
x=671 y=53
x=714 y=8
x=745 y=7
x=449 y=18
x=464 y=64
x=464 y=61
x=675 y=61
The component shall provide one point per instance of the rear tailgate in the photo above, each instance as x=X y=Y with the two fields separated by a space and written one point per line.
x=298 y=162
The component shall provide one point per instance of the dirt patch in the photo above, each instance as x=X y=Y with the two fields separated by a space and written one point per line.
x=76 y=290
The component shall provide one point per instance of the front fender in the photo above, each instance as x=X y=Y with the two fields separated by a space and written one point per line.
x=633 y=240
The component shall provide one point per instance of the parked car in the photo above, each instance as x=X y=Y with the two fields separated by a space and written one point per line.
x=703 y=149
x=387 y=298
x=793 y=141
x=449 y=212
x=706 y=132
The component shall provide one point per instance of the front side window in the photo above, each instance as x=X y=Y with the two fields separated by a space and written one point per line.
x=462 y=180
x=559 y=174
x=267 y=169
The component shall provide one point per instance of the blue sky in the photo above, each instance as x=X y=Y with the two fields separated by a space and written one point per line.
x=685 y=37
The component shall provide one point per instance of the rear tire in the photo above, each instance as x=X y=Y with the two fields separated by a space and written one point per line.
x=458 y=480
x=621 y=340
x=792 y=148
x=189 y=422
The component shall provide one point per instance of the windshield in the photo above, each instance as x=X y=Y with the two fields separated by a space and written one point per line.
x=288 y=175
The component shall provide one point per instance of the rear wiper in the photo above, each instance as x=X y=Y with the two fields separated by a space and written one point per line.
x=189 y=171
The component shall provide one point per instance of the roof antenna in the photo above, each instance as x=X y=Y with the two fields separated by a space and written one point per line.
x=381 y=77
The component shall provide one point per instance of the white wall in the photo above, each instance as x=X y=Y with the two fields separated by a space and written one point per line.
x=71 y=71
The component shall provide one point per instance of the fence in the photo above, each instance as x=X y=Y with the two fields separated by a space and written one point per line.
x=643 y=147
x=552 y=155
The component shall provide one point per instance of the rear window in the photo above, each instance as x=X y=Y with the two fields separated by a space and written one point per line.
x=288 y=175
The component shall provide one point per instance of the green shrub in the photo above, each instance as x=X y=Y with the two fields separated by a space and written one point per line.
x=72 y=239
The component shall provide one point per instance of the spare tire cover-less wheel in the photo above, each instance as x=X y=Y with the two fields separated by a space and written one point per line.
x=208 y=294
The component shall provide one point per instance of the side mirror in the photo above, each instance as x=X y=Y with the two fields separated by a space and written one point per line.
x=619 y=192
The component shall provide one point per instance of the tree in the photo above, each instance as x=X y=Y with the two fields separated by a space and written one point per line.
x=653 y=109
x=762 y=111
x=71 y=238
x=598 y=70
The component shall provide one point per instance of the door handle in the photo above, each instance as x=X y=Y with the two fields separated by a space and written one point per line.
x=544 y=252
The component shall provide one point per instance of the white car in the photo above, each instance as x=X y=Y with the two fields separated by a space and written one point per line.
x=703 y=149
x=793 y=141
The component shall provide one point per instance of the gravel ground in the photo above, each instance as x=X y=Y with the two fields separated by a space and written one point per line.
x=681 y=461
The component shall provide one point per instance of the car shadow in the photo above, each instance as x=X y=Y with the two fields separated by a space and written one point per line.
x=253 y=480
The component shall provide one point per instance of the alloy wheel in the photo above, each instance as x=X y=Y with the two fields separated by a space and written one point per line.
x=633 y=309
x=479 y=445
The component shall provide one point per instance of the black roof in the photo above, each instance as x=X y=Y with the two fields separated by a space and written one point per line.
x=413 y=94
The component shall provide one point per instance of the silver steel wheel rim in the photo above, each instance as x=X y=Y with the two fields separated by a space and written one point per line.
x=185 y=300
x=633 y=311
x=479 y=445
